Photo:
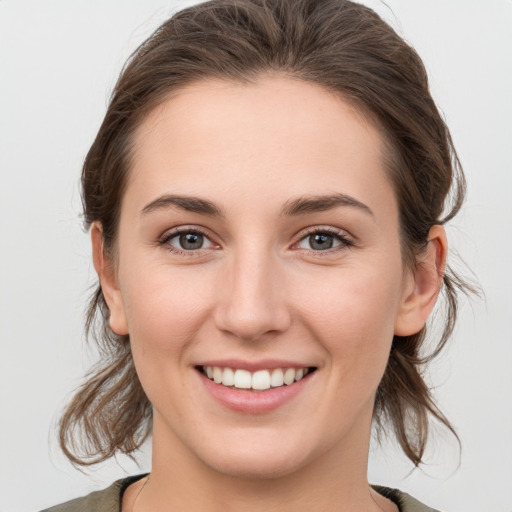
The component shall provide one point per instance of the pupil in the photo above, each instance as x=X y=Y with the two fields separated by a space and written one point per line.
x=191 y=241
x=320 y=241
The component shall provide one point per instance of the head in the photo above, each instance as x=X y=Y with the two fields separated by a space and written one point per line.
x=229 y=53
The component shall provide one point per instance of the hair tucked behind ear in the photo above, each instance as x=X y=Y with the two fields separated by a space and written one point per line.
x=341 y=46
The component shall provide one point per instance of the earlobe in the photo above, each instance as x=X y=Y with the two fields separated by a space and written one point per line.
x=422 y=289
x=108 y=281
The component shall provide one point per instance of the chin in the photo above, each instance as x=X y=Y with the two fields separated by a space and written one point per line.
x=256 y=468
x=257 y=460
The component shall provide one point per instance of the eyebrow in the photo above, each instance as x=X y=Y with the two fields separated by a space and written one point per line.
x=188 y=203
x=299 y=206
x=312 y=204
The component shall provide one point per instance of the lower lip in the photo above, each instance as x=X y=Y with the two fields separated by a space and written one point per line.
x=253 y=402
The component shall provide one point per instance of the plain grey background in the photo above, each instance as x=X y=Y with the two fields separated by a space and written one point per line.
x=58 y=63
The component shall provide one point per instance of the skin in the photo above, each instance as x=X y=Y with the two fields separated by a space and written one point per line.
x=258 y=289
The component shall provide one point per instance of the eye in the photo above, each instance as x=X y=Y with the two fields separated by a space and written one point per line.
x=324 y=240
x=186 y=240
x=190 y=241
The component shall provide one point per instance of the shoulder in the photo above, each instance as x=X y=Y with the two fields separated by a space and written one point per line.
x=109 y=499
x=106 y=500
x=405 y=502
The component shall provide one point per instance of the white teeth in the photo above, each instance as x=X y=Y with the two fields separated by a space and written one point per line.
x=277 y=378
x=242 y=379
x=259 y=380
x=289 y=376
x=217 y=374
x=228 y=377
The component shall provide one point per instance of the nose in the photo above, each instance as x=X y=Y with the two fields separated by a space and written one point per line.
x=252 y=299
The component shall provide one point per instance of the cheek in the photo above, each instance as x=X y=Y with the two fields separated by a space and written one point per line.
x=353 y=314
x=164 y=307
x=165 y=310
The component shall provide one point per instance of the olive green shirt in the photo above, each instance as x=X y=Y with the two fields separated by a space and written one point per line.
x=109 y=500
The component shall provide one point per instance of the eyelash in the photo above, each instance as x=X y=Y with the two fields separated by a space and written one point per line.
x=345 y=241
x=164 y=241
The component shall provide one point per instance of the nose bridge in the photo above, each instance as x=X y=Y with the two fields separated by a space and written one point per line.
x=253 y=299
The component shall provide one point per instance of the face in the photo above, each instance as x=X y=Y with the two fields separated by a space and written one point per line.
x=259 y=275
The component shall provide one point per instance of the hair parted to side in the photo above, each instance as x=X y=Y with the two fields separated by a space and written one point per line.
x=340 y=45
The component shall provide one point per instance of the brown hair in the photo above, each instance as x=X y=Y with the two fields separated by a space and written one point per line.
x=339 y=45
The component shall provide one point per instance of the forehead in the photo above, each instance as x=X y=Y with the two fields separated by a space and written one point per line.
x=216 y=135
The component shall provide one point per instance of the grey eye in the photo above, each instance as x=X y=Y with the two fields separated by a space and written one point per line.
x=187 y=240
x=191 y=241
x=321 y=241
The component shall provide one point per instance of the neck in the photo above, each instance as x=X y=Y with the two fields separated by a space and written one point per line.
x=335 y=480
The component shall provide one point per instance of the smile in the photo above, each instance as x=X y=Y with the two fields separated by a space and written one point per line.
x=260 y=380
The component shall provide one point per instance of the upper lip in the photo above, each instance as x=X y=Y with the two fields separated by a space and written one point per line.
x=253 y=366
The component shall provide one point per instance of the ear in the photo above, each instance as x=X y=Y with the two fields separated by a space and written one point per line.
x=422 y=287
x=108 y=280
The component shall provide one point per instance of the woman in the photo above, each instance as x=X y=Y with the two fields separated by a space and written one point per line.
x=266 y=198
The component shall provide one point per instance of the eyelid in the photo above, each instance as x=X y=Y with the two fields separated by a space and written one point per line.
x=168 y=235
x=346 y=240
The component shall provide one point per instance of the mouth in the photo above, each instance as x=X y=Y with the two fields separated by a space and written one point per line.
x=260 y=380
